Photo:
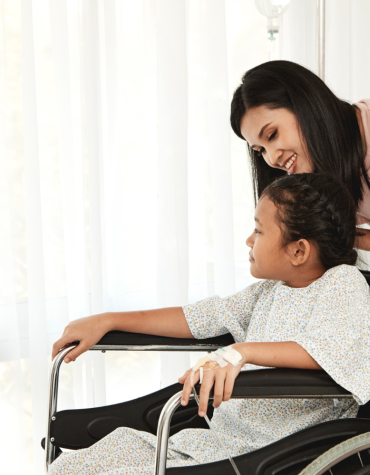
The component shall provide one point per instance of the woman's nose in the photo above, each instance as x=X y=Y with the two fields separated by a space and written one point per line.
x=275 y=157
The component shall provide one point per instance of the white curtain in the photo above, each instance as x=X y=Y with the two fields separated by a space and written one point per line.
x=121 y=184
x=347 y=43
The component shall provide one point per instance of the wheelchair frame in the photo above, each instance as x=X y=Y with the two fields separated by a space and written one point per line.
x=326 y=388
x=103 y=347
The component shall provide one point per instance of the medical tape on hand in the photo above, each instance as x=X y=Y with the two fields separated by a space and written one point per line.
x=230 y=354
x=222 y=357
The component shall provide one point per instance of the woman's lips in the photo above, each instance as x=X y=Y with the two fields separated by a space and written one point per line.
x=293 y=167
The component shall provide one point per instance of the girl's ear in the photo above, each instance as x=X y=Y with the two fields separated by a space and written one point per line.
x=299 y=252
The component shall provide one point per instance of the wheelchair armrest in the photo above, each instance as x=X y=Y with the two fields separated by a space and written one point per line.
x=139 y=341
x=283 y=382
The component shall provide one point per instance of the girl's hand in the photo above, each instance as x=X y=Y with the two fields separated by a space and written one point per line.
x=223 y=380
x=87 y=331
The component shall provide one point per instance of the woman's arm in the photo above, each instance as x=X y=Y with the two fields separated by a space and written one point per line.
x=363 y=242
x=89 y=330
x=278 y=355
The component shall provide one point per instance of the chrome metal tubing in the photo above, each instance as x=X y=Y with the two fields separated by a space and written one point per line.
x=321 y=38
x=163 y=432
x=53 y=401
x=154 y=348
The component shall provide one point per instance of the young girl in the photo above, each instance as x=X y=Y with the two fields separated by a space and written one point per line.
x=311 y=310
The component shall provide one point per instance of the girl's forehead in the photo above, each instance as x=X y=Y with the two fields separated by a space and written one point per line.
x=265 y=213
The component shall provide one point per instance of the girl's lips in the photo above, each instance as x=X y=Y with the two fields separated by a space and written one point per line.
x=251 y=259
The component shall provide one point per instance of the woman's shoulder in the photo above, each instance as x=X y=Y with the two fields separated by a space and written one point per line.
x=363 y=105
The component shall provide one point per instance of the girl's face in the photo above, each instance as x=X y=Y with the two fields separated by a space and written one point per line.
x=268 y=259
x=275 y=133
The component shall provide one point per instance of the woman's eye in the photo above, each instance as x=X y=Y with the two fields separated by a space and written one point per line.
x=272 y=136
x=256 y=231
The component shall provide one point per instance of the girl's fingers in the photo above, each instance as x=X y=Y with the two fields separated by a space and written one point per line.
x=218 y=390
x=188 y=387
x=205 y=389
x=229 y=386
x=182 y=379
x=222 y=380
x=58 y=345
x=76 y=352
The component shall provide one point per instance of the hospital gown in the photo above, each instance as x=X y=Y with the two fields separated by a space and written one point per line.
x=329 y=319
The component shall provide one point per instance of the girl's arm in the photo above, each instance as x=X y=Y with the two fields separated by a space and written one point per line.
x=278 y=355
x=89 y=330
x=286 y=354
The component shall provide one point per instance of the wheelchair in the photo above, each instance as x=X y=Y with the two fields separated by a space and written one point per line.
x=338 y=447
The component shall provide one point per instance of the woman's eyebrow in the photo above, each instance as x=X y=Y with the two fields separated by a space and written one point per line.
x=261 y=133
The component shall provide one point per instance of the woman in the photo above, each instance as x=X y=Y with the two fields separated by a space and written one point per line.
x=293 y=123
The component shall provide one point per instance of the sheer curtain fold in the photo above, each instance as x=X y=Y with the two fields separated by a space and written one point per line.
x=219 y=146
x=91 y=81
x=34 y=235
x=13 y=417
x=71 y=176
x=172 y=233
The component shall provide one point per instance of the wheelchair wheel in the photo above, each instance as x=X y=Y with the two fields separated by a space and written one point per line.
x=351 y=457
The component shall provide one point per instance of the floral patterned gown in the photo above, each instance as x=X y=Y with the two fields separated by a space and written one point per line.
x=329 y=319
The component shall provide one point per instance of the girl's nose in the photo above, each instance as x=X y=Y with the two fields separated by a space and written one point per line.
x=249 y=241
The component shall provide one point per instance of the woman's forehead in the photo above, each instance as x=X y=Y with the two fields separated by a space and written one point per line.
x=256 y=119
x=253 y=121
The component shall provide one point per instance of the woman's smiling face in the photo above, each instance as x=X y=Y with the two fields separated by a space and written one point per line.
x=275 y=134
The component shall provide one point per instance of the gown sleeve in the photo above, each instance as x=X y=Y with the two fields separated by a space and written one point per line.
x=217 y=316
x=338 y=333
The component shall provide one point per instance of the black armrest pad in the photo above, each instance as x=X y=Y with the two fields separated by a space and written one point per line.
x=140 y=339
x=286 y=382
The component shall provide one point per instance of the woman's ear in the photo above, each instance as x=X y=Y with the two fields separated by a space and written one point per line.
x=299 y=252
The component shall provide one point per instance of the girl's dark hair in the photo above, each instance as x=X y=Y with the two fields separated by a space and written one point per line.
x=329 y=125
x=319 y=209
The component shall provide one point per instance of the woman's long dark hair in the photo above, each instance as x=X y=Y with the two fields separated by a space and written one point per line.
x=329 y=125
x=317 y=208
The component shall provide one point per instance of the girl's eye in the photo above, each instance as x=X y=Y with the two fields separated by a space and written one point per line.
x=256 y=231
x=272 y=136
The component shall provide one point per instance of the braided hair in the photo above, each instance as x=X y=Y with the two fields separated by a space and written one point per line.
x=319 y=209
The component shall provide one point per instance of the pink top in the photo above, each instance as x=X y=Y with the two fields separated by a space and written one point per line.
x=363 y=212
